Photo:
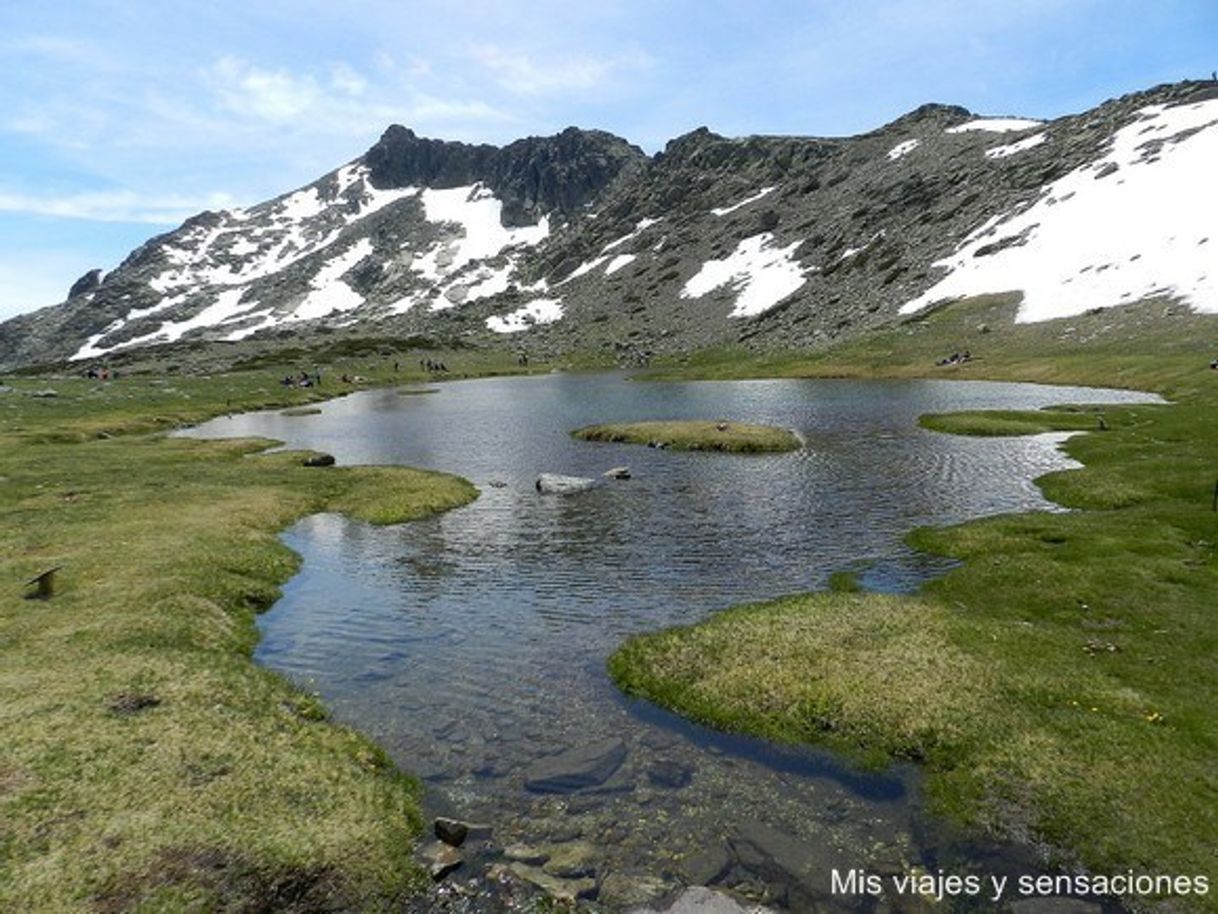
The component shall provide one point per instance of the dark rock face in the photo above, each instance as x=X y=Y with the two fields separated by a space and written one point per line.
x=533 y=176
x=85 y=284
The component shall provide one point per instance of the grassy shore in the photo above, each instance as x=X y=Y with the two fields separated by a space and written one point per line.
x=693 y=435
x=145 y=762
x=1058 y=685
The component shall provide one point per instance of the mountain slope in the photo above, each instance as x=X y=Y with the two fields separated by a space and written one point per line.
x=579 y=242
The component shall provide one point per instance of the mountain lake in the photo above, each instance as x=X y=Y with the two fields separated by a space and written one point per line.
x=472 y=645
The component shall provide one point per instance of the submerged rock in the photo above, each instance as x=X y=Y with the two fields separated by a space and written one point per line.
x=623 y=890
x=557 y=484
x=566 y=890
x=440 y=859
x=572 y=860
x=576 y=769
x=699 y=900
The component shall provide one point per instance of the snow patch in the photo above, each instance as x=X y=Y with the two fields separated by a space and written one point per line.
x=996 y=125
x=584 y=268
x=1001 y=152
x=538 y=311
x=724 y=210
x=327 y=291
x=903 y=149
x=642 y=225
x=477 y=211
x=762 y=273
x=1140 y=221
x=618 y=262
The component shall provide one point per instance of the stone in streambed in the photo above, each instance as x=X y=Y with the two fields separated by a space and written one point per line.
x=567 y=890
x=440 y=859
x=557 y=484
x=699 y=900
x=576 y=769
x=455 y=832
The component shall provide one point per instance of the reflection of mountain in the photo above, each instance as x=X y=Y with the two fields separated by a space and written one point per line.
x=580 y=242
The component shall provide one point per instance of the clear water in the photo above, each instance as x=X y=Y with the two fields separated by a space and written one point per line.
x=471 y=644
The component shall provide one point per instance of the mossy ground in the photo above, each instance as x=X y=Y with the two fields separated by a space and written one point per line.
x=145 y=762
x=696 y=435
x=1058 y=685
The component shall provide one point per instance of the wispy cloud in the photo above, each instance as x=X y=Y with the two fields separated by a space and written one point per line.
x=114 y=206
x=535 y=73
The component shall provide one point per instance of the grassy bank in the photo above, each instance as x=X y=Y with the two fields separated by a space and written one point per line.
x=145 y=762
x=1058 y=685
x=693 y=435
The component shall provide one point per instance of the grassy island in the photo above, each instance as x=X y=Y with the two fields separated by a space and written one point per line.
x=146 y=763
x=1058 y=685
x=715 y=435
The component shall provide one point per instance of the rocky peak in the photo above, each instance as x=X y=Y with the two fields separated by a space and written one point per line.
x=86 y=283
x=533 y=176
x=933 y=114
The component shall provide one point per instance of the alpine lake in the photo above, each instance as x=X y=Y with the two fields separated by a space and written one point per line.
x=472 y=645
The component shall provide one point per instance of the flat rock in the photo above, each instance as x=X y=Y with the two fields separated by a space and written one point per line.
x=668 y=773
x=576 y=769
x=623 y=890
x=571 y=861
x=525 y=853
x=557 y=484
x=559 y=889
x=706 y=865
x=782 y=861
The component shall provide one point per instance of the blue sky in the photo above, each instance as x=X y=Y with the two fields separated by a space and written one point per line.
x=119 y=118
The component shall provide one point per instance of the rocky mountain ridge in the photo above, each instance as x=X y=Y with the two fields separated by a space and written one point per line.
x=580 y=242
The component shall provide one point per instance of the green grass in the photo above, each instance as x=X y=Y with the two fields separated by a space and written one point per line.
x=145 y=762
x=694 y=435
x=1058 y=685
x=993 y=423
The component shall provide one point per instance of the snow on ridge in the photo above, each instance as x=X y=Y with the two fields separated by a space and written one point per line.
x=641 y=226
x=903 y=149
x=762 y=273
x=584 y=268
x=618 y=262
x=1001 y=152
x=1141 y=220
x=851 y=252
x=538 y=311
x=996 y=125
x=724 y=210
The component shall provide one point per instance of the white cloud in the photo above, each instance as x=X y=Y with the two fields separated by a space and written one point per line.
x=273 y=95
x=527 y=74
